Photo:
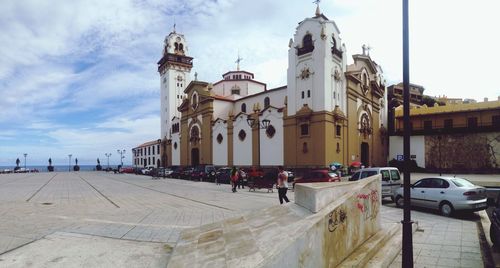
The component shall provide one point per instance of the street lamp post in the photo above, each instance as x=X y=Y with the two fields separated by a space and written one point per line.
x=121 y=152
x=69 y=163
x=108 y=155
x=25 y=154
x=256 y=123
x=407 y=223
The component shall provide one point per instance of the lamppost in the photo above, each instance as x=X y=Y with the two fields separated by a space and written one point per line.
x=256 y=123
x=108 y=155
x=25 y=154
x=69 y=163
x=407 y=223
x=121 y=152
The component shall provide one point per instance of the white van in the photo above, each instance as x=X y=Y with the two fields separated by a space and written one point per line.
x=391 y=179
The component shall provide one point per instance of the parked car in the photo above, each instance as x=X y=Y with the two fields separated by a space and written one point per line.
x=127 y=170
x=186 y=173
x=391 y=179
x=176 y=172
x=291 y=176
x=146 y=171
x=319 y=175
x=448 y=194
x=203 y=173
x=255 y=172
x=223 y=175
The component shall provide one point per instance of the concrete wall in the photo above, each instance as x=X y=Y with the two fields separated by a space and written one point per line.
x=220 y=155
x=242 y=149
x=290 y=235
x=417 y=148
x=271 y=148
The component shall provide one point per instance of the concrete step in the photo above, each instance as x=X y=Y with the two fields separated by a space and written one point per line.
x=388 y=253
x=364 y=253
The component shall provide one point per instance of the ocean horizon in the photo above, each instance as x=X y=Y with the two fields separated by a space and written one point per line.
x=59 y=168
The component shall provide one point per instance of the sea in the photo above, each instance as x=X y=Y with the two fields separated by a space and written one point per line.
x=58 y=168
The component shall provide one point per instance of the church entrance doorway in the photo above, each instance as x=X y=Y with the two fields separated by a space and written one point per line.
x=195 y=156
x=365 y=154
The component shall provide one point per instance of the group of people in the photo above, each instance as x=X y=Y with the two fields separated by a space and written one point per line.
x=237 y=176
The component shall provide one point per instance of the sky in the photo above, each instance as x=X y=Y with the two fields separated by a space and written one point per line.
x=80 y=77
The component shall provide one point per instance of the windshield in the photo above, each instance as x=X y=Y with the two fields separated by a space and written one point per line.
x=459 y=182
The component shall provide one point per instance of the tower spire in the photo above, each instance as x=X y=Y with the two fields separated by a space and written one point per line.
x=174 y=25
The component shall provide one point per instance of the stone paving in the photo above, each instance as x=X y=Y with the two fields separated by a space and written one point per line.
x=440 y=241
x=137 y=208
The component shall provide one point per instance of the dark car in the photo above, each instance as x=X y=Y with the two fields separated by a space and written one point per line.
x=223 y=175
x=176 y=172
x=203 y=173
x=317 y=176
x=186 y=173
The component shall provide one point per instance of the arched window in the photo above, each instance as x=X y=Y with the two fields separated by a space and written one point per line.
x=267 y=102
x=195 y=134
x=243 y=108
x=181 y=47
x=307 y=45
x=307 y=41
x=365 y=79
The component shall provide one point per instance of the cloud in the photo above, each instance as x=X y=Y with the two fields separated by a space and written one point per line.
x=76 y=75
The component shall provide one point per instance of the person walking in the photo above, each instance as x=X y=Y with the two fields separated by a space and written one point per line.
x=241 y=178
x=282 y=185
x=234 y=178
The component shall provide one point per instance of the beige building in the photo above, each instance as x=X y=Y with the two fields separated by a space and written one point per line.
x=328 y=111
x=452 y=138
x=147 y=154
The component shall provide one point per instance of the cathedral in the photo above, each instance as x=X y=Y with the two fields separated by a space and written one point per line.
x=328 y=112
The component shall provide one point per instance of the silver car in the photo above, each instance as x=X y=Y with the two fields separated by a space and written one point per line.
x=448 y=194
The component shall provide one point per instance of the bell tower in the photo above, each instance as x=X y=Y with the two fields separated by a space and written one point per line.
x=175 y=69
x=316 y=66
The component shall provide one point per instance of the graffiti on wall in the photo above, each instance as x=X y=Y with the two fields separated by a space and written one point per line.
x=336 y=218
x=368 y=204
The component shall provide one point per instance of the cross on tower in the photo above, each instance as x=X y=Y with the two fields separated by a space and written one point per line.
x=238 y=60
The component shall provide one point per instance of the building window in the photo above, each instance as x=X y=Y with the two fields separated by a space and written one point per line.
x=307 y=45
x=448 y=123
x=472 y=122
x=302 y=94
x=153 y=160
x=149 y=160
x=308 y=93
x=338 y=147
x=304 y=147
x=149 y=150
x=427 y=125
x=175 y=145
x=304 y=129
x=158 y=148
x=270 y=131
x=495 y=120
x=219 y=138
x=235 y=90
x=243 y=108
x=242 y=135
x=338 y=130
x=267 y=102
x=153 y=150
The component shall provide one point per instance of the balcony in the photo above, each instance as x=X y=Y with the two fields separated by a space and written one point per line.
x=456 y=129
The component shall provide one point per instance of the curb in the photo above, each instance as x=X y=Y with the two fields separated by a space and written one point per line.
x=490 y=257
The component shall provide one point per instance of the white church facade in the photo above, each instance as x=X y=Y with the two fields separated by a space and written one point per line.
x=329 y=111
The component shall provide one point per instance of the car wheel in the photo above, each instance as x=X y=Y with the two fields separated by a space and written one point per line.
x=400 y=201
x=493 y=235
x=446 y=209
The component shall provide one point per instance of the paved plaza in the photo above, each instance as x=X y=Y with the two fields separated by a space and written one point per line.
x=43 y=216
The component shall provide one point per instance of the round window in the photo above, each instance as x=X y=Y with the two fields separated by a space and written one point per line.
x=219 y=138
x=242 y=135
x=270 y=131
